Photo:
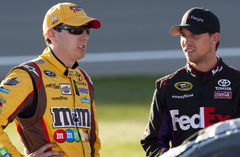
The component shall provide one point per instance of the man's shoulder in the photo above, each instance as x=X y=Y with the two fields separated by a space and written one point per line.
x=85 y=74
x=28 y=68
x=175 y=75
x=231 y=70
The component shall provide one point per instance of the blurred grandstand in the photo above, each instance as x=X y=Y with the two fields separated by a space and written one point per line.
x=133 y=40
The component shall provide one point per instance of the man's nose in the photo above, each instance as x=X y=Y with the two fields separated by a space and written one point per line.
x=84 y=36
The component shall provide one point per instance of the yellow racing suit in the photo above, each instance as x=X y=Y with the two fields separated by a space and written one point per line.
x=49 y=103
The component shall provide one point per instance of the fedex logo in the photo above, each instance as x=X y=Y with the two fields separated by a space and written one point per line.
x=201 y=120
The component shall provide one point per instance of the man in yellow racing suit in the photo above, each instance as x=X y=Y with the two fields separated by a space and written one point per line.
x=50 y=98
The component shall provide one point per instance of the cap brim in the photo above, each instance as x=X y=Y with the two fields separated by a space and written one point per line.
x=175 y=30
x=94 y=23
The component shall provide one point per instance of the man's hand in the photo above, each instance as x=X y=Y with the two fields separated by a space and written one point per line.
x=43 y=153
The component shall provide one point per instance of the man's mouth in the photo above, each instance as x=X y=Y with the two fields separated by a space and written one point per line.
x=189 y=50
x=81 y=46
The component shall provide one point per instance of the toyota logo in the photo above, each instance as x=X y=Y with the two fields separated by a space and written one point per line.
x=224 y=83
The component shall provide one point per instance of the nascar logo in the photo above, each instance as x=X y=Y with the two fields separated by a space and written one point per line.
x=183 y=86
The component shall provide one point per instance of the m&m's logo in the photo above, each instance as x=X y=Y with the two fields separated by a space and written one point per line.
x=70 y=135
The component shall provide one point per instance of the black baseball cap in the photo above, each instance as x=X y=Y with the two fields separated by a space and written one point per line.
x=197 y=21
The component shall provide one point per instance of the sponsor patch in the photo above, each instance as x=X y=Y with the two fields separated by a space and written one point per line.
x=71 y=73
x=223 y=88
x=31 y=69
x=8 y=155
x=223 y=95
x=84 y=135
x=81 y=83
x=198 y=19
x=52 y=85
x=3 y=90
x=83 y=90
x=224 y=83
x=76 y=74
x=77 y=136
x=4 y=152
x=64 y=117
x=79 y=77
x=60 y=136
x=85 y=100
x=59 y=98
x=183 y=86
x=70 y=135
x=54 y=19
x=49 y=73
x=10 y=82
x=66 y=89
x=205 y=117
x=75 y=87
x=2 y=100
x=76 y=8
x=182 y=96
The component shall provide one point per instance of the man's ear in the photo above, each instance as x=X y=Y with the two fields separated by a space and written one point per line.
x=216 y=37
x=51 y=35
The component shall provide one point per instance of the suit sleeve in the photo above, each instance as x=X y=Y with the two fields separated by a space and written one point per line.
x=96 y=145
x=15 y=91
x=158 y=133
x=94 y=133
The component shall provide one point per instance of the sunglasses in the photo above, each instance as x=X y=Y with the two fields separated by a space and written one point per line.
x=73 y=29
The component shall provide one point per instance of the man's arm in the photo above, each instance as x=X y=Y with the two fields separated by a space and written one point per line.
x=95 y=144
x=158 y=133
x=16 y=90
x=94 y=133
x=43 y=152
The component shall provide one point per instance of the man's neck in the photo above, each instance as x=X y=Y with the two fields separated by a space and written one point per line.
x=205 y=66
x=62 y=58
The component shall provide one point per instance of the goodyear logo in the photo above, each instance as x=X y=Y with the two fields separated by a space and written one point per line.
x=183 y=86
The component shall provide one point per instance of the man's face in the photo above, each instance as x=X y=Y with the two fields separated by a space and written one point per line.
x=71 y=46
x=197 y=48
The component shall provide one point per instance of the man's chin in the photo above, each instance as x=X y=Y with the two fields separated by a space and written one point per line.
x=81 y=56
